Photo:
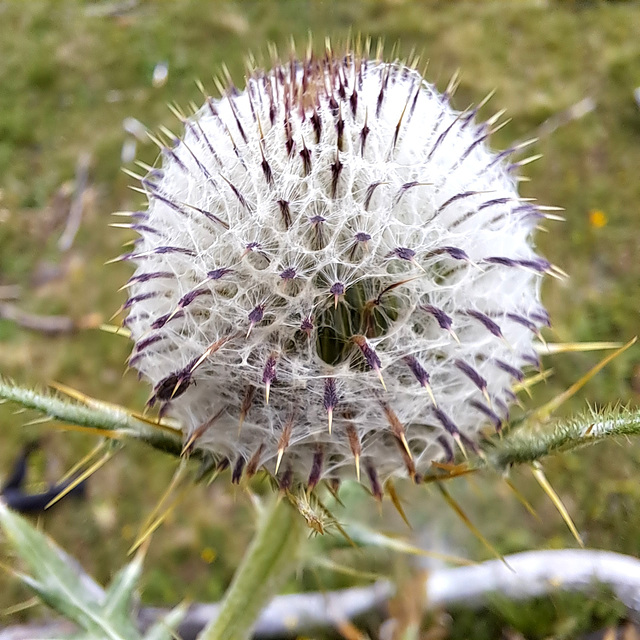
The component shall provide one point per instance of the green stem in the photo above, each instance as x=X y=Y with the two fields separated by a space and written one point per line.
x=267 y=564
x=589 y=428
x=101 y=415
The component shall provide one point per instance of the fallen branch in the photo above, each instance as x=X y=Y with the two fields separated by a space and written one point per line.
x=43 y=324
x=52 y=325
x=75 y=210
x=532 y=574
x=9 y=291
x=538 y=573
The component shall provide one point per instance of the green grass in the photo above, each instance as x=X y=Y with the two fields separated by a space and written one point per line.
x=69 y=78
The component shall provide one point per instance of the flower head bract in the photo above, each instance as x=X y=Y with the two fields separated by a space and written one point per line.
x=334 y=273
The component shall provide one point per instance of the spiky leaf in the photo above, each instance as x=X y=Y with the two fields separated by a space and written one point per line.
x=62 y=585
x=164 y=628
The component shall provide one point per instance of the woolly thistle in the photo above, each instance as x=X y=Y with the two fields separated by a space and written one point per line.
x=334 y=272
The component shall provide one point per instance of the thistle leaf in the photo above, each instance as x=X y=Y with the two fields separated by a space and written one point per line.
x=62 y=584
x=119 y=596
x=164 y=629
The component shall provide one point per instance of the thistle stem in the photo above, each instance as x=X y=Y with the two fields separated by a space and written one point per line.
x=267 y=564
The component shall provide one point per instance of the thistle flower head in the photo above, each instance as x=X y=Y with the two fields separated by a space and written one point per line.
x=334 y=273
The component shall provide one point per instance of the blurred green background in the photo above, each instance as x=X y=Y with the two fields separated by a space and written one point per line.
x=72 y=71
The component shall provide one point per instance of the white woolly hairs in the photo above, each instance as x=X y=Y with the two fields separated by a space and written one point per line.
x=334 y=271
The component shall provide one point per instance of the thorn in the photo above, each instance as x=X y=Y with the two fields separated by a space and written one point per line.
x=238 y=470
x=179 y=383
x=465 y=519
x=132 y=174
x=486 y=99
x=152 y=522
x=330 y=399
x=538 y=474
x=155 y=141
x=316 y=469
x=254 y=461
x=124 y=214
x=246 y=405
x=495 y=117
x=395 y=500
x=81 y=463
x=453 y=83
x=283 y=443
x=209 y=351
x=525 y=503
x=117 y=313
x=354 y=444
x=167 y=132
x=138 y=190
x=117 y=259
x=458 y=441
x=81 y=478
x=397 y=428
x=337 y=289
x=279 y=460
x=376 y=489
x=421 y=375
x=188 y=446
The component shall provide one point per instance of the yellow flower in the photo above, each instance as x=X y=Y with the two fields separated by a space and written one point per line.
x=208 y=555
x=597 y=218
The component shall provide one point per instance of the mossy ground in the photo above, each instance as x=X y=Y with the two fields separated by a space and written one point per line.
x=70 y=73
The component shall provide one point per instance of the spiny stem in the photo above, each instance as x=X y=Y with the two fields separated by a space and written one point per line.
x=516 y=448
x=589 y=428
x=267 y=564
x=101 y=416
